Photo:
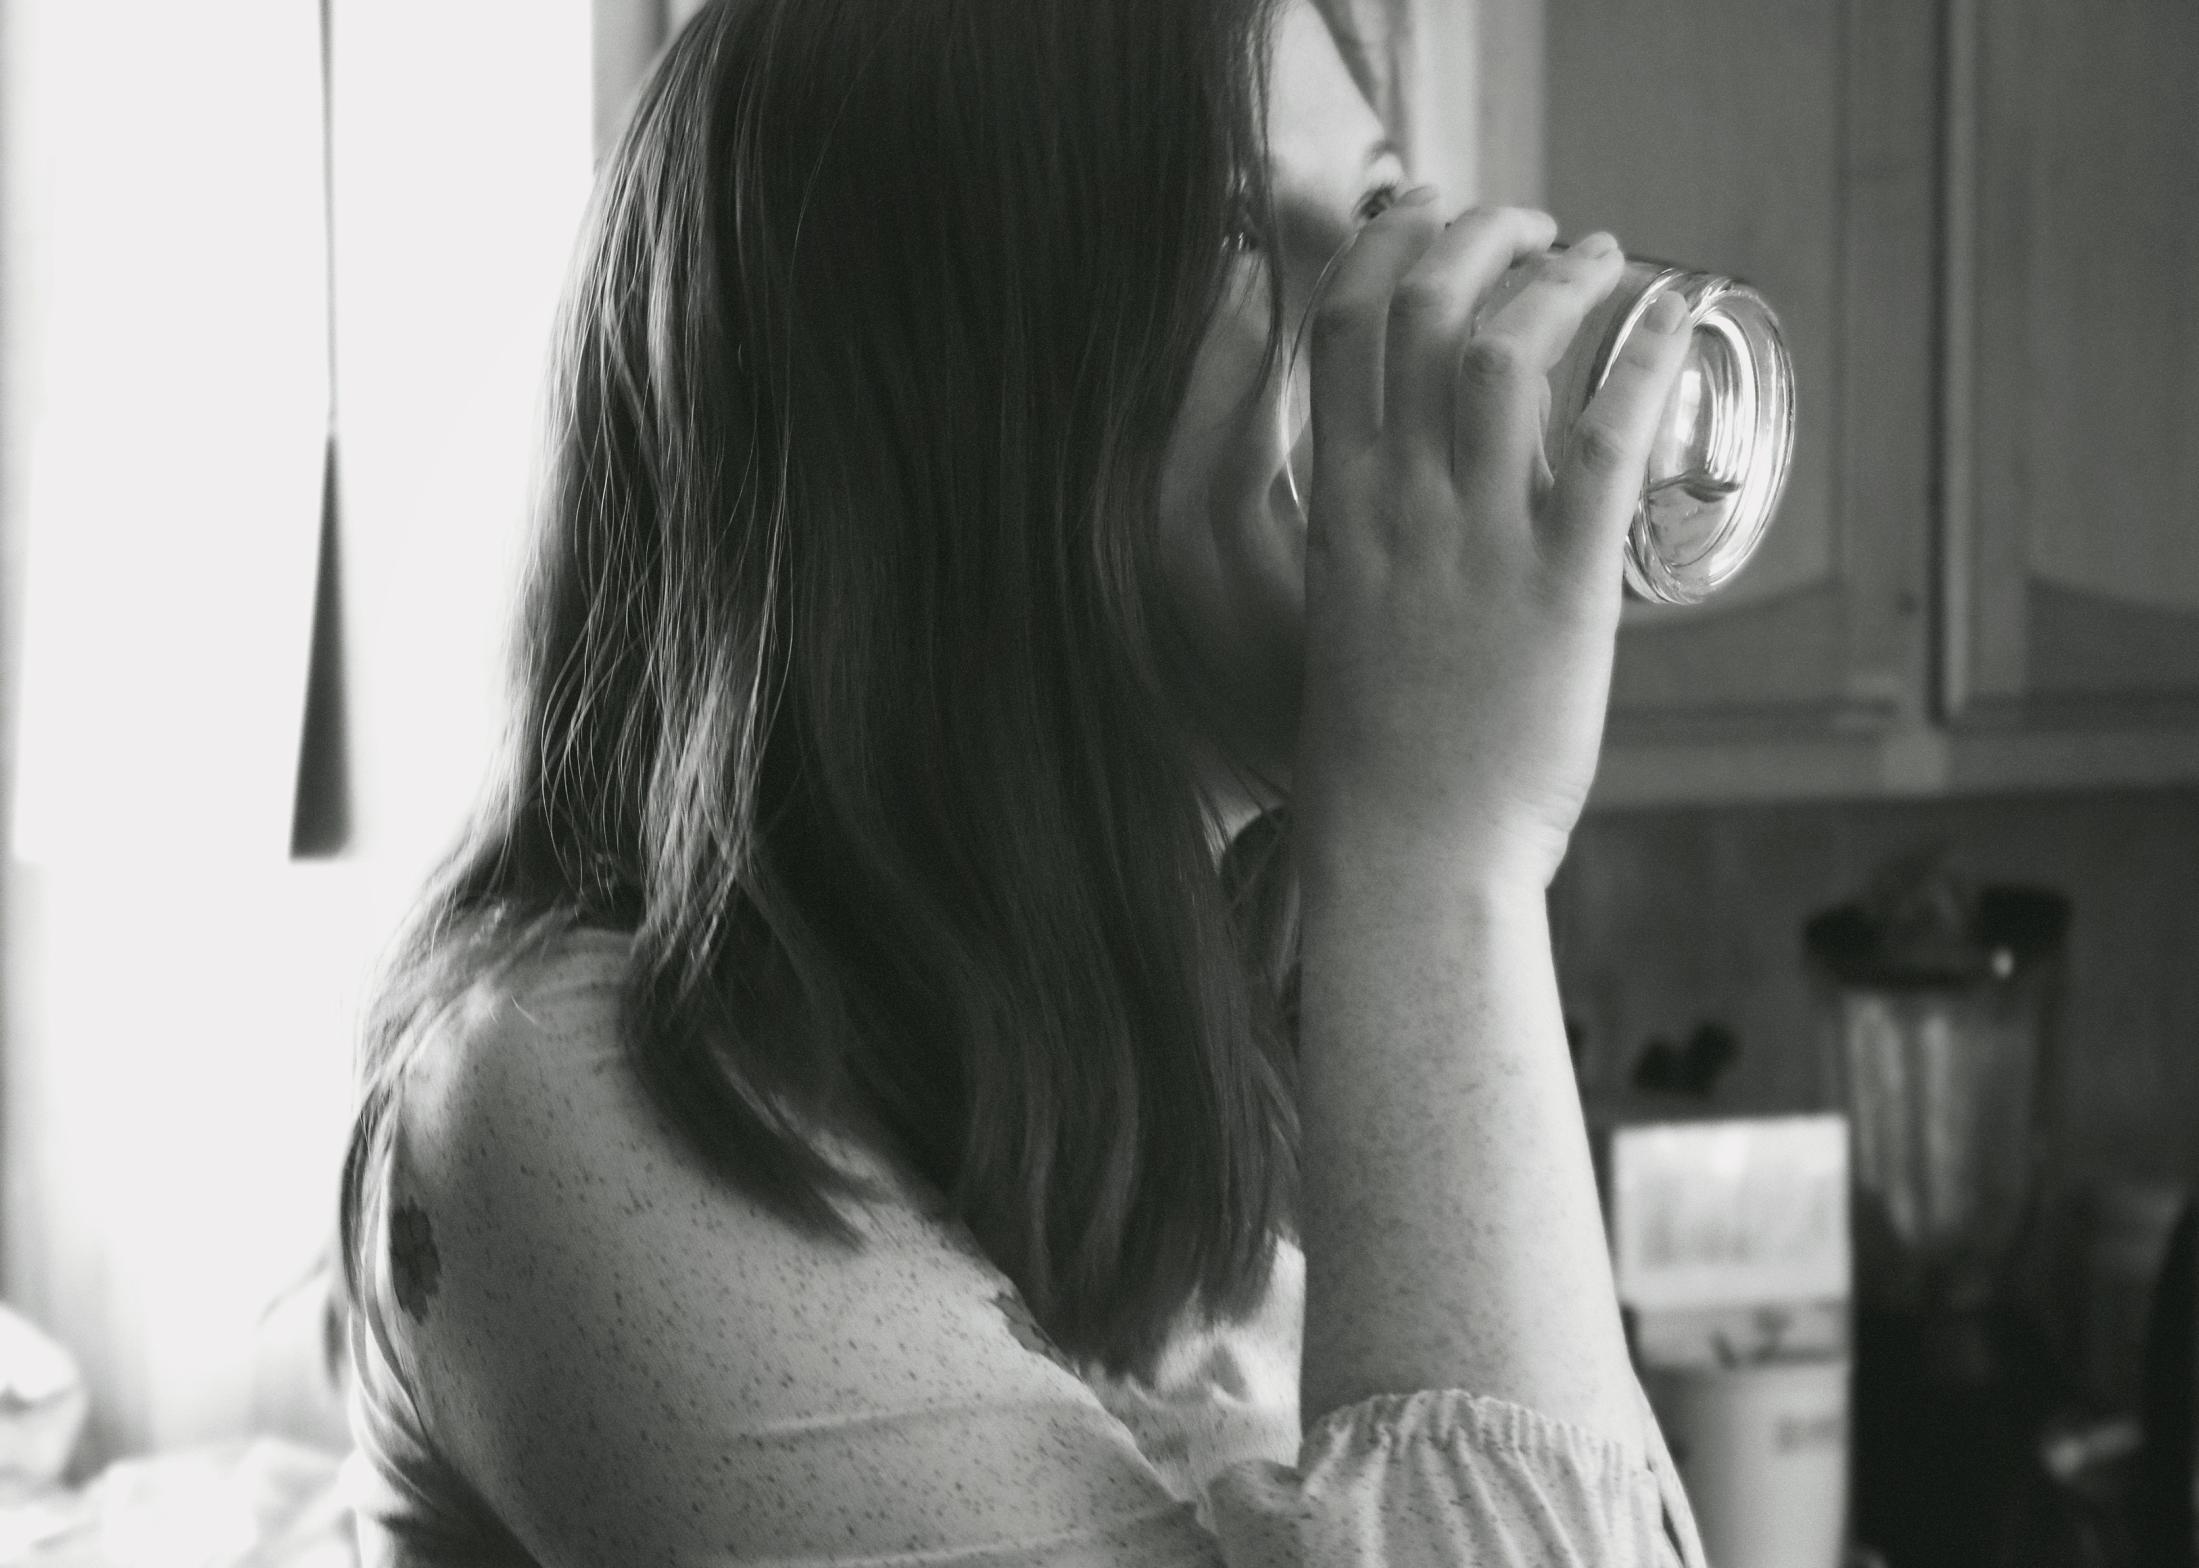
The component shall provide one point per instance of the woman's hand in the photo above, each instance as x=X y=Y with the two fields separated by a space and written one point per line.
x=1462 y=600
x=1463 y=587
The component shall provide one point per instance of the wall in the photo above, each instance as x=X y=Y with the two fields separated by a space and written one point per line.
x=1665 y=919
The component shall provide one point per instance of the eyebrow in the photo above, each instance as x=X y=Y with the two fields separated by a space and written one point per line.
x=1385 y=148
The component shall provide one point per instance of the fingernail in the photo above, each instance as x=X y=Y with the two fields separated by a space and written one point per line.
x=1418 y=196
x=1596 y=244
x=1665 y=312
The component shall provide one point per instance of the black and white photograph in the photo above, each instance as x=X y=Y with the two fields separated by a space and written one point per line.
x=1099 y=784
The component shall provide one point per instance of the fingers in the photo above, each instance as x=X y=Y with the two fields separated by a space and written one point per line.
x=1349 y=319
x=1502 y=388
x=1432 y=312
x=1599 y=478
x=1538 y=324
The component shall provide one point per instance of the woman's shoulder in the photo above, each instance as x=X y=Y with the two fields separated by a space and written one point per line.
x=514 y=1040
x=522 y=1088
x=525 y=1153
x=529 y=1061
x=519 y=1126
x=607 y=1342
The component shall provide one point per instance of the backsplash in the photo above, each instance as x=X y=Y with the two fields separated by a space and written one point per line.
x=1671 y=919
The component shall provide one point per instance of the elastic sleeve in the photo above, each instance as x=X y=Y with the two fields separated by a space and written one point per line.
x=1445 y=1478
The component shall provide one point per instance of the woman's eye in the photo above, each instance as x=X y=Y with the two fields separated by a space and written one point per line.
x=1377 y=201
x=1244 y=230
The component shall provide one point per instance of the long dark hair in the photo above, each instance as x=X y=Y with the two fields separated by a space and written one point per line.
x=843 y=679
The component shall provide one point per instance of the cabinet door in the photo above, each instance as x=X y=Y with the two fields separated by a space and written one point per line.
x=2073 y=480
x=1789 y=142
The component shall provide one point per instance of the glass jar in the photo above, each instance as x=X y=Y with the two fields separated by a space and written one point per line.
x=1719 y=463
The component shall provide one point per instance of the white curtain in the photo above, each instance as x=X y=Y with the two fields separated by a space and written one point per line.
x=179 y=996
x=162 y=430
x=167 y=340
x=462 y=151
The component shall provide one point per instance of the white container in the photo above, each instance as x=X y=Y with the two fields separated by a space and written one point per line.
x=1731 y=1252
x=1763 y=1452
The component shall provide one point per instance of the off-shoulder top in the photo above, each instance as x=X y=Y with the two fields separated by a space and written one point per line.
x=575 y=1345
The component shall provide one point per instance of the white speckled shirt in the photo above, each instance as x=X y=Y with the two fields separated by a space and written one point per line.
x=576 y=1346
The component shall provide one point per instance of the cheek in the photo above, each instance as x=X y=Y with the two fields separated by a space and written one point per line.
x=1233 y=542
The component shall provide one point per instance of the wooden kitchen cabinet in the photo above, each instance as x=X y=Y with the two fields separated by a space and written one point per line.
x=2073 y=456
x=1788 y=142
x=1979 y=222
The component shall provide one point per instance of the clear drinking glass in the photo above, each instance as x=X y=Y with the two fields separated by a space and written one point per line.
x=1720 y=461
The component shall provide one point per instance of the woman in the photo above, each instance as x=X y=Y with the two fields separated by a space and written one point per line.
x=837 y=1106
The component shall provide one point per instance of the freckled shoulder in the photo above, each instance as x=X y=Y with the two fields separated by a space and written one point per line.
x=528 y=1145
x=505 y=1059
x=620 y=1347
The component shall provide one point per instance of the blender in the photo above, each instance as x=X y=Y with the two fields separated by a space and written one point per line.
x=1936 y=1007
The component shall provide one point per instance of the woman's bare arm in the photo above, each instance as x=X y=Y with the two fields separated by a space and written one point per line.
x=1449 y=1215
x=1462 y=607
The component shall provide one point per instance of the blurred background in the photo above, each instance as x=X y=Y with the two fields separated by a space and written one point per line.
x=275 y=279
